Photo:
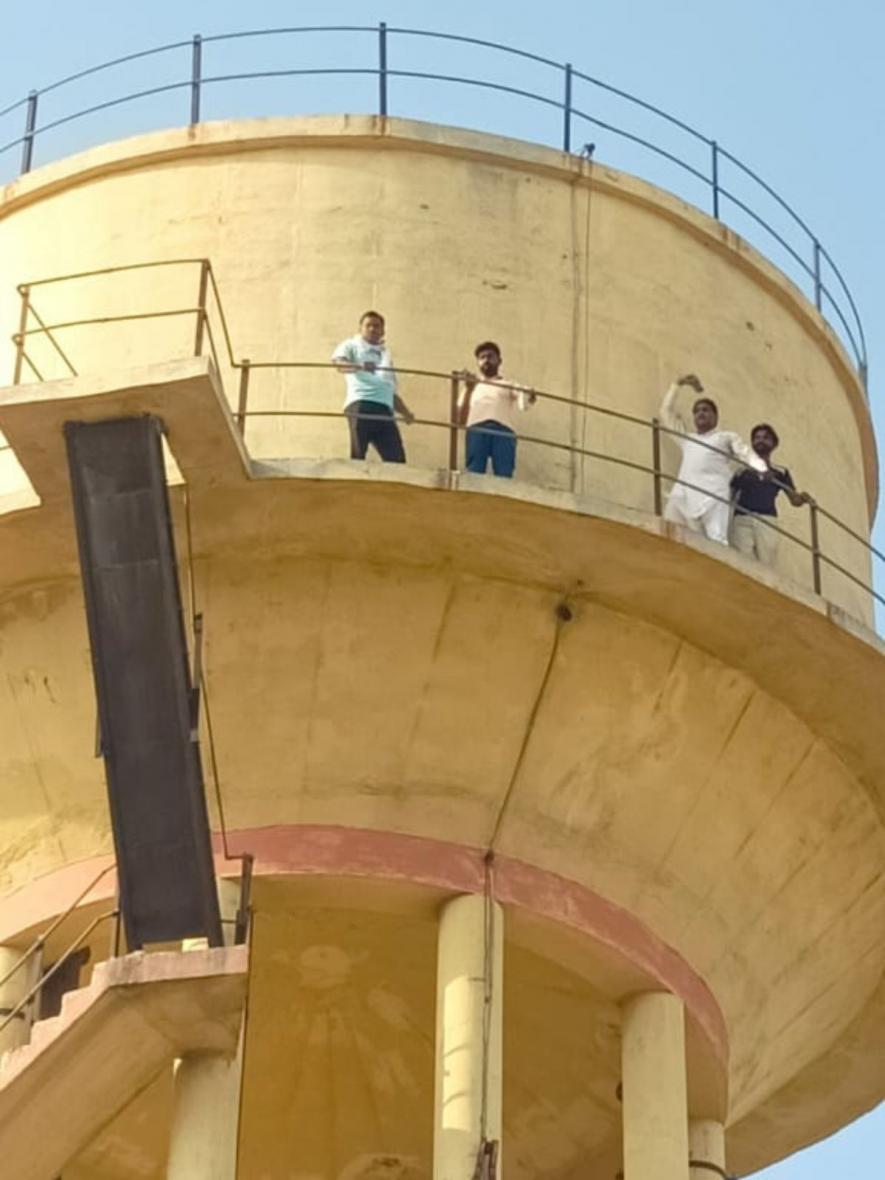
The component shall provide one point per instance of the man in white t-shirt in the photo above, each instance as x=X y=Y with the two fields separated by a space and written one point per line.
x=371 y=392
x=699 y=499
x=487 y=407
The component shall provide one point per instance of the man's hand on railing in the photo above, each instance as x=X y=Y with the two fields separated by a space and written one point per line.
x=403 y=410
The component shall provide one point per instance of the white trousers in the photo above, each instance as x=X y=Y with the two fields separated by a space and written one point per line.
x=712 y=522
x=754 y=538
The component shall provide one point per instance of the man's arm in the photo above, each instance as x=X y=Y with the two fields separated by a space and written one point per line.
x=470 y=383
x=525 y=396
x=669 y=414
x=744 y=453
x=403 y=410
x=342 y=358
x=786 y=485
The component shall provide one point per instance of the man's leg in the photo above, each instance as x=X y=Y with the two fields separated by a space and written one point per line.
x=503 y=447
x=714 y=521
x=387 y=438
x=479 y=448
x=743 y=537
x=766 y=542
x=674 y=514
x=359 y=435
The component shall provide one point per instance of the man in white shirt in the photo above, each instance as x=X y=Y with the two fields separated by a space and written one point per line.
x=487 y=407
x=371 y=392
x=699 y=500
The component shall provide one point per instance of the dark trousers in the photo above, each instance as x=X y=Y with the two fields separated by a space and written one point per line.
x=370 y=422
x=491 y=440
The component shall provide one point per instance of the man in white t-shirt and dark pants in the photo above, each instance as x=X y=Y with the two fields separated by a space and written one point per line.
x=487 y=406
x=700 y=498
x=371 y=392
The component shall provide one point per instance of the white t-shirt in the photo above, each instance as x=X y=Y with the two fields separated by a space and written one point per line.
x=495 y=400
x=364 y=385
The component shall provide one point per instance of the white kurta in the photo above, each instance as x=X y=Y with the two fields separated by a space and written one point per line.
x=708 y=471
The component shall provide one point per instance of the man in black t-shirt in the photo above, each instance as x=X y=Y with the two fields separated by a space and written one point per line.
x=756 y=493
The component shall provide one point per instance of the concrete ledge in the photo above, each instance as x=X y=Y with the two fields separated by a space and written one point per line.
x=110 y=1040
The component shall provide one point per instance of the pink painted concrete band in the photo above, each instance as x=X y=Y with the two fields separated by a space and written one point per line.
x=317 y=850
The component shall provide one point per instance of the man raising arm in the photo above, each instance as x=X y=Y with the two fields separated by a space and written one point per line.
x=699 y=499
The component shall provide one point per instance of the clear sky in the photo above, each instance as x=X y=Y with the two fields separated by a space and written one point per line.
x=791 y=88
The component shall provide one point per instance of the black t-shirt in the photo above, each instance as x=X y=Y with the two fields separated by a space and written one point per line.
x=756 y=493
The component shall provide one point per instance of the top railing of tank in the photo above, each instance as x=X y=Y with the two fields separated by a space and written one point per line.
x=698 y=163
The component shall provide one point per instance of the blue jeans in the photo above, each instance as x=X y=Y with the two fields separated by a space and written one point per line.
x=491 y=440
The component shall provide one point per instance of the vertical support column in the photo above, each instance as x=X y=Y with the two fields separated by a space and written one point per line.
x=19 y=338
x=567 y=110
x=714 y=177
x=12 y=992
x=205 y=1119
x=201 y=307
x=454 y=397
x=469 y=1031
x=382 y=69
x=656 y=466
x=30 y=131
x=655 y=1105
x=243 y=403
x=206 y=1111
x=706 y=1145
x=196 y=78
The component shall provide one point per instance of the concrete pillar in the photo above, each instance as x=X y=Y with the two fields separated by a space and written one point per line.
x=655 y=1113
x=467 y=1103
x=706 y=1144
x=206 y=1112
x=205 y=1119
x=18 y=1031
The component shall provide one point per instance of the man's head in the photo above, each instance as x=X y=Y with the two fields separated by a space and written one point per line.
x=763 y=439
x=372 y=327
x=488 y=358
x=705 y=414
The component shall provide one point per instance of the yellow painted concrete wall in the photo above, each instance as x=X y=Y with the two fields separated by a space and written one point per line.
x=602 y=293
x=350 y=694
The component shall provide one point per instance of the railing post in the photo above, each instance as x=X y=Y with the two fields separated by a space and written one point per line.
x=454 y=392
x=201 y=307
x=815 y=547
x=817 y=284
x=30 y=127
x=567 y=110
x=656 y=465
x=244 y=396
x=382 y=69
x=715 y=170
x=196 y=76
x=19 y=337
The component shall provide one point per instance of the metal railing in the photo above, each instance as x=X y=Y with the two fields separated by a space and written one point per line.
x=697 y=159
x=208 y=305
x=35 y=950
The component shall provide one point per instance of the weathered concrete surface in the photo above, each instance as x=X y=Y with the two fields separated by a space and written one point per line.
x=111 y=1040
x=384 y=652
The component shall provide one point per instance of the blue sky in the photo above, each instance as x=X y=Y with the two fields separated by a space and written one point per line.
x=792 y=89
